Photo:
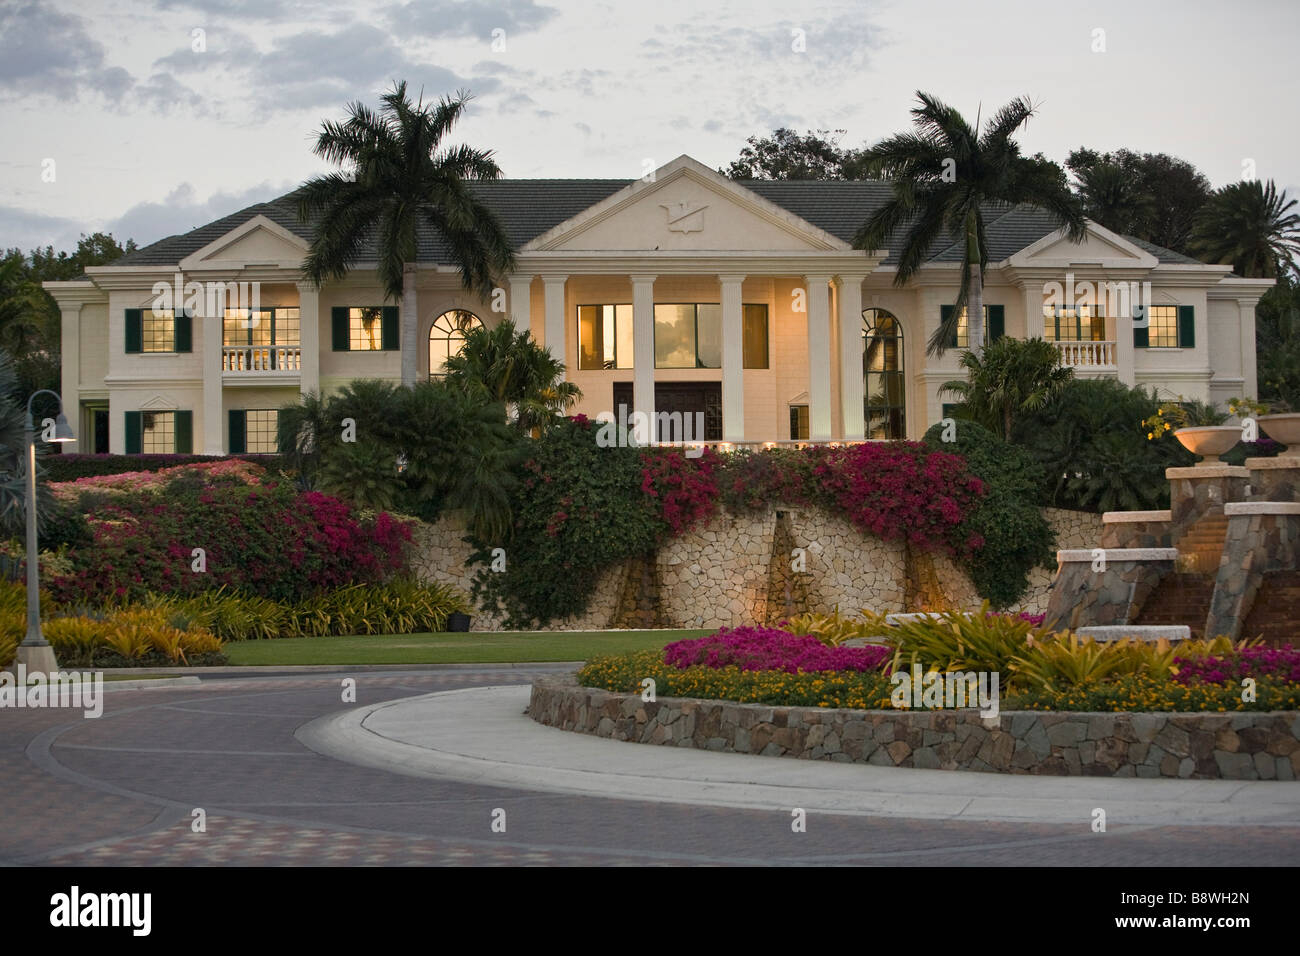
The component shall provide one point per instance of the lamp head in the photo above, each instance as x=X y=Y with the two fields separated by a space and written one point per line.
x=62 y=430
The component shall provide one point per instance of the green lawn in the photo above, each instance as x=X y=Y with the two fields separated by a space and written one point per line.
x=488 y=647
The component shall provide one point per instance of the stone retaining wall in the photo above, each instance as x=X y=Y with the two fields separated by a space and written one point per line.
x=720 y=573
x=1248 y=746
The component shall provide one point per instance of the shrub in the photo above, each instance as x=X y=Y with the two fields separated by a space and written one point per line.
x=122 y=637
x=1144 y=692
x=764 y=649
x=70 y=467
x=954 y=640
x=578 y=510
x=864 y=690
x=1275 y=663
x=259 y=538
x=1095 y=452
x=902 y=491
x=833 y=630
x=683 y=490
x=1015 y=535
x=755 y=480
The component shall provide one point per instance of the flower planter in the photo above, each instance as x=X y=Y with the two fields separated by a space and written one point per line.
x=457 y=622
x=1210 y=441
x=1283 y=428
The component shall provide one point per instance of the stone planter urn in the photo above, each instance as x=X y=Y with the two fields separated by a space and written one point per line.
x=1211 y=441
x=1284 y=429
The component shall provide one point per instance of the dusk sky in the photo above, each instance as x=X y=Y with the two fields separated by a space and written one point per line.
x=148 y=128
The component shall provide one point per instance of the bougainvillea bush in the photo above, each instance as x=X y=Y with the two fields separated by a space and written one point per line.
x=258 y=536
x=1273 y=663
x=772 y=649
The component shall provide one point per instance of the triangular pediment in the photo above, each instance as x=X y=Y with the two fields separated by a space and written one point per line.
x=685 y=207
x=259 y=241
x=1099 y=247
x=159 y=403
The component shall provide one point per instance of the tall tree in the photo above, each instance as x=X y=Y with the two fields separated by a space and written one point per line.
x=1249 y=226
x=946 y=176
x=787 y=155
x=398 y=177
x=1277 y=344
x=1158 y=202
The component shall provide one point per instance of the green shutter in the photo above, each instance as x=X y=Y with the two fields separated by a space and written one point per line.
x=997 y=322
x=184 y=332
x=390 y=329
x=944 y=312
x=238 y=419
x=1186 y=327
x=184 y=432
x=339 y=321
x=133 y=430
x=1141 y=336
x=134 y=330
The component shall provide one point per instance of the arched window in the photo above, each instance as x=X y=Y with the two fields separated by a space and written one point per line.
x=882 y=370
x=447 y=337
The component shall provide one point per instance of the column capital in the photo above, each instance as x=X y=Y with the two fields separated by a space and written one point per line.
x=553 y=278
x=643 y=279
x=851 y=279
x=730 y=278
x=817 y=277
x=307 y=288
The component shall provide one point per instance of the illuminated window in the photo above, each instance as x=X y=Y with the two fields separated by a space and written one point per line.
x=447 y=337
x=1162 y=332
x=259 y=430
x=604 y=337
x=1079 y=323
x=158 y=330
x=885 y=400
x=157 y=432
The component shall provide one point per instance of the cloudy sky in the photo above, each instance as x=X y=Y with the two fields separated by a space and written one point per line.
x=151 y=117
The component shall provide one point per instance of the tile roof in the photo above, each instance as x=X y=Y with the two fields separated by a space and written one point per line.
x=529 y=207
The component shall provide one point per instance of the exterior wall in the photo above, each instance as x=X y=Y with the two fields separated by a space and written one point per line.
x=718 y=574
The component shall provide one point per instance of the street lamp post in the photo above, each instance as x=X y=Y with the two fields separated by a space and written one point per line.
x=35 y=652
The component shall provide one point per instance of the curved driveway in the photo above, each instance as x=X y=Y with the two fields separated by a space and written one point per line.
x=123 y=789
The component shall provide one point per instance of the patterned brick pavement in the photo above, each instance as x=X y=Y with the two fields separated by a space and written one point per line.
x=121 y=790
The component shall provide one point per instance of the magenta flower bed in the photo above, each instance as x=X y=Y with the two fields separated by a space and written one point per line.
x=771 y=649
x=1282 y=663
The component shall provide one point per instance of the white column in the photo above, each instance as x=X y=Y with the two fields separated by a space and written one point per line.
x=309 y=336
x=643 y=353
x=213 y=412
x=852 y=398
x=521 y=294
x=70 y=381
x=1034 y=322
x=1124 y=351
x=819 y=357
x=1249 y=359
x=733 y=359
x=554 y=288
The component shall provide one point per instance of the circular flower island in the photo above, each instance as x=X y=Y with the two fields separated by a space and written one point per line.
x=952 y=691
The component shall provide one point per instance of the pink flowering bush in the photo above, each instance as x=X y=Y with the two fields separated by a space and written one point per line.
x=257 y=537
x=771 y=649
x=902 y=491
x=682 y=489
x=1279 y=663
x=231 y=469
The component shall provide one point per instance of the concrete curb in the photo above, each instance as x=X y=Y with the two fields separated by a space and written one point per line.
x=482 y=736
x=273 y=670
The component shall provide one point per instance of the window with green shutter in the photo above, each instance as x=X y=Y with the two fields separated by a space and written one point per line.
x=1141 y=331
x=1186 y=327
x=134 y=330
x=996 y=321
x=236 y=428
x=391 y=329
x=184 y=332
x=339 y=328
x=132 y=431
x=183 y=428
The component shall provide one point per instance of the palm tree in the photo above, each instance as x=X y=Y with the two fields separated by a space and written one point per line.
x=946 y=177
x=504 y=365
x=1007 y=379
x=1249 y=226
x=399 y=178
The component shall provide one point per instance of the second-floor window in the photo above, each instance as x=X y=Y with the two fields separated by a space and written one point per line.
x=1163 y=329
x=994 y=325
x=1080 y=323
x=277 y=326
x=365 y=328
x=158 y=331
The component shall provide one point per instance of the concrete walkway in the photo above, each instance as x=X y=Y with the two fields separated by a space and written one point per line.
x=482 y=736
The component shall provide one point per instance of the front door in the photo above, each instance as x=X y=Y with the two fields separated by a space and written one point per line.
x=685 y=398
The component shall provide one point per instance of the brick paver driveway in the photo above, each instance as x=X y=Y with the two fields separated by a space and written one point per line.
x=123 y=789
